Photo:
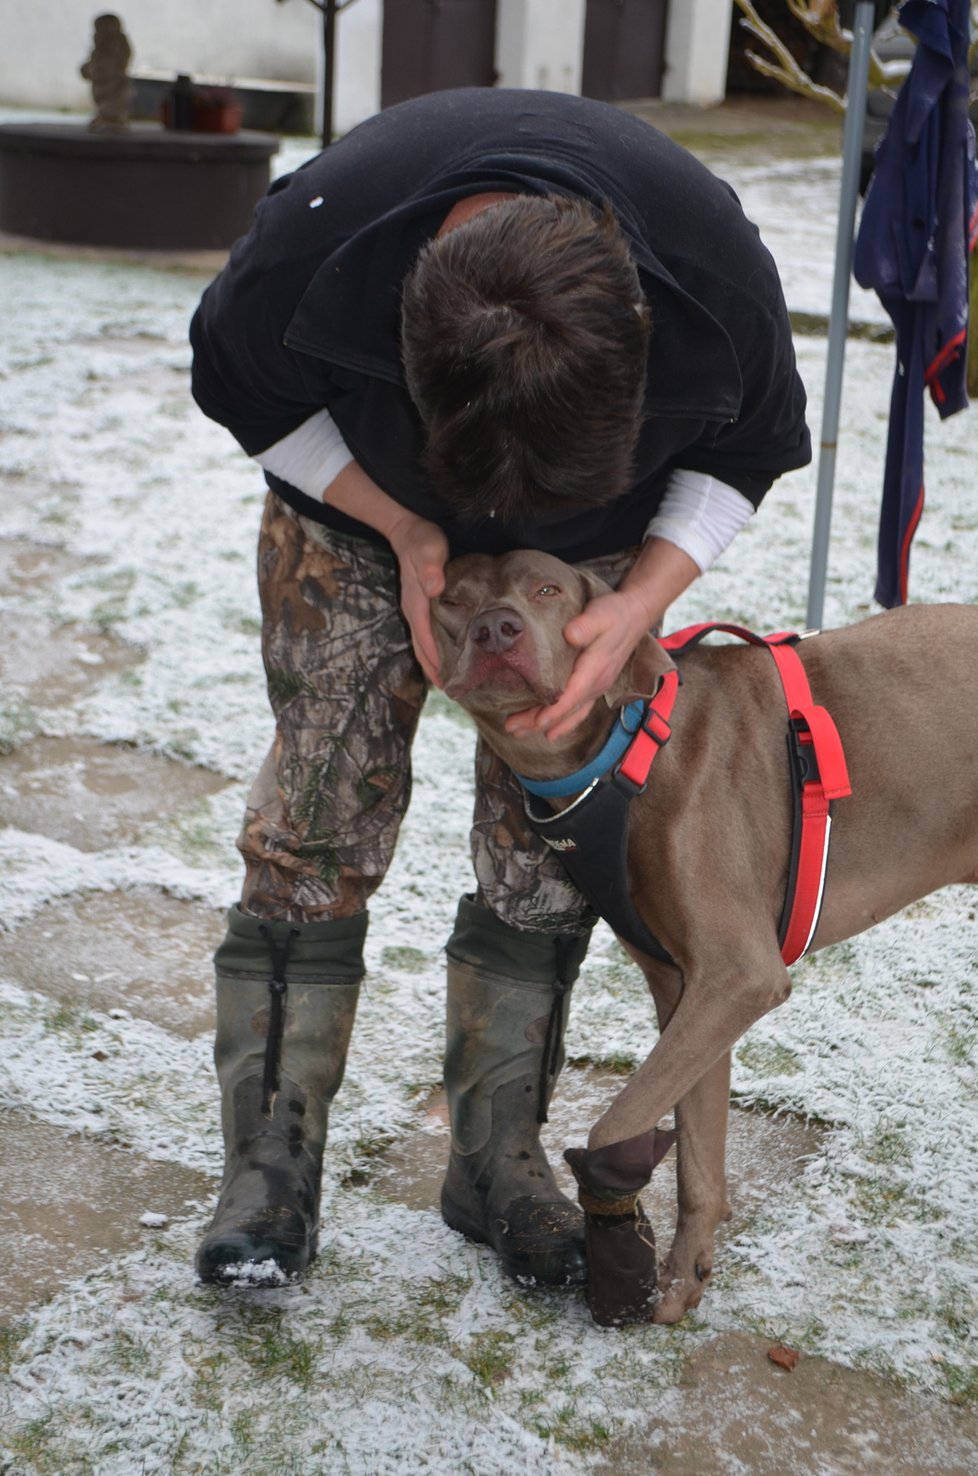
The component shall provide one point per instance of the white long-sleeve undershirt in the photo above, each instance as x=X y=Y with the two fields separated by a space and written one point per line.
x=700 y=515
x=310 y=457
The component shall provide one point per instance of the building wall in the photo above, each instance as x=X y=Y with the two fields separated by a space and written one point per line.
x=46 y=41
x=539 y=44
x=697 y=48
x=356 y=74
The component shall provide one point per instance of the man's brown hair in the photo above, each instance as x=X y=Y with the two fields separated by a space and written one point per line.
x=524 y=341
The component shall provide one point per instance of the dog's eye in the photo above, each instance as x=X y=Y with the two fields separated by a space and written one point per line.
x=549 y=589
x=447 y=601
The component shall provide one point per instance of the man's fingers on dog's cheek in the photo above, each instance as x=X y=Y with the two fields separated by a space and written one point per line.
x=569 y=723
x=429 y=668
x=579 y=631
x=520 y=723
x=564 y=715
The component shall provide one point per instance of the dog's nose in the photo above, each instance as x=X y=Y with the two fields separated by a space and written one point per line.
x=496 y=630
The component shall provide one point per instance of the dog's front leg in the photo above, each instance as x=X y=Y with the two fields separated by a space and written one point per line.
x=689 y=1061
x=701 y=1142
x=701 y=1121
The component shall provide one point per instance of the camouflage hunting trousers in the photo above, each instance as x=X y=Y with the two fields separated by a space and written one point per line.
x=324 y=812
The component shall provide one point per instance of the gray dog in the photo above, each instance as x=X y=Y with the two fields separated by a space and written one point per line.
x=711 y=854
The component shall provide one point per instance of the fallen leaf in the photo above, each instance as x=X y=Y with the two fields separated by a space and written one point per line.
x=783 y=1357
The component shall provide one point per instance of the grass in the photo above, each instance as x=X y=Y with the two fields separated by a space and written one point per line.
x=19 y=723
x=276 y=1354
x=409 y=960
x=421 y=1320
x=12 y=1335
x=815 y=141
x=768 y=1058
x=961 y=1383
x=489 y=1355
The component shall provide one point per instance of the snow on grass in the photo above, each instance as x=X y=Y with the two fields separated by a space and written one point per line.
x=404 y=1350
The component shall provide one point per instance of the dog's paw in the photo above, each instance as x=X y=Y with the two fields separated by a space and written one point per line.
x=680 y=1294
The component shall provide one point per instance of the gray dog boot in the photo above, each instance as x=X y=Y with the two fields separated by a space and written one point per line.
x=286 y=999
x=507 y=1008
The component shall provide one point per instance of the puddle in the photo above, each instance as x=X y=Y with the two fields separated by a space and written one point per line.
x=734 y=1411
x=93 y=795
x=25 y=489
x=51 y=665
x=23 y=564
x=762 y=1153
x=69 y=1205
x=143 y=952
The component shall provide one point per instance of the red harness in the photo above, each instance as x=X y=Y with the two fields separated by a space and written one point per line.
x=819 y=771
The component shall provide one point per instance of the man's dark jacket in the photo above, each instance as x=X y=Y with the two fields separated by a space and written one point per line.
x=306 y=313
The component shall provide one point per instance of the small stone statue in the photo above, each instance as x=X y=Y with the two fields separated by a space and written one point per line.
x=106 y=70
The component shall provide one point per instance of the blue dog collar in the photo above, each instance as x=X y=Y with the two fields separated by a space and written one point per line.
x=624 y=730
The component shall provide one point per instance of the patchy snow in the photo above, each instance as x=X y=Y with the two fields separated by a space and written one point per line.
x=403 y=1351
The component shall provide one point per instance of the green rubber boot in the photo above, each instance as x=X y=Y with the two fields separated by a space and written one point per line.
x=508 y=995
x=286 y=999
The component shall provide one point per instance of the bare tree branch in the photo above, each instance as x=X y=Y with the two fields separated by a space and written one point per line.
x=783 y=68
x=821 y=19
x=797 y=80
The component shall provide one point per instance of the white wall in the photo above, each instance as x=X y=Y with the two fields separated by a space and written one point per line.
x=46 y=41
x=697 y=47
x=540 y=43
x=356 y=74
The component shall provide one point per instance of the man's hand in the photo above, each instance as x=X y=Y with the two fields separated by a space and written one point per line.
x=421 y=549
x=607 y=632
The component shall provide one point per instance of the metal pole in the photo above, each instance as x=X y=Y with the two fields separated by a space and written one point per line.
x=852 y=135
x=329 y=40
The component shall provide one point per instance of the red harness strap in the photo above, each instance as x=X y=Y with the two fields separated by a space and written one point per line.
x=820 y=774
x=653 y=734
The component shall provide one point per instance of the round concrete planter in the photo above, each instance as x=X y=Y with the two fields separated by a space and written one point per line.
x=146 y=187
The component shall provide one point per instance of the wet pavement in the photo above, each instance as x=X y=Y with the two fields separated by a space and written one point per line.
x=736 y=1410
x=89 y=1203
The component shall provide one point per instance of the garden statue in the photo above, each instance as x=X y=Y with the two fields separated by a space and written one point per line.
x=106 y=71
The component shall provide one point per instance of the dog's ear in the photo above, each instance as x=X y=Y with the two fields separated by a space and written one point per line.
x=640 y=676
x=591 y=586
x=647 y=664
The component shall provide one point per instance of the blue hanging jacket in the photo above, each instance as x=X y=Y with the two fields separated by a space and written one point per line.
x=919 y=222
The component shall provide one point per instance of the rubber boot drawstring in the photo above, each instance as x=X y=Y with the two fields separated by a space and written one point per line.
x=277 y=990
x=550 y=1060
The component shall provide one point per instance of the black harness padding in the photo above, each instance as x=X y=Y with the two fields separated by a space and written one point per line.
x=591 y=839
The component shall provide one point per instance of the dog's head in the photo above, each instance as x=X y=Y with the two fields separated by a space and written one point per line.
x=499 y=626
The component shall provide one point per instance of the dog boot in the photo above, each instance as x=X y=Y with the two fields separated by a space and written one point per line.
x=507 y=1007
x=622 y=1274
x=286 y=999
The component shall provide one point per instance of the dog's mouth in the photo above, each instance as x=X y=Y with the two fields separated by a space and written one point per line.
x=501 y=683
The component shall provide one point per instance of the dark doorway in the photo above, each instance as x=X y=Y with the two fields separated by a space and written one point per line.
x=431 y=44
x=624 y=48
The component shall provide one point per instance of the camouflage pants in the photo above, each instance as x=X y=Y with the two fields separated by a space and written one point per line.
x=324 y=813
